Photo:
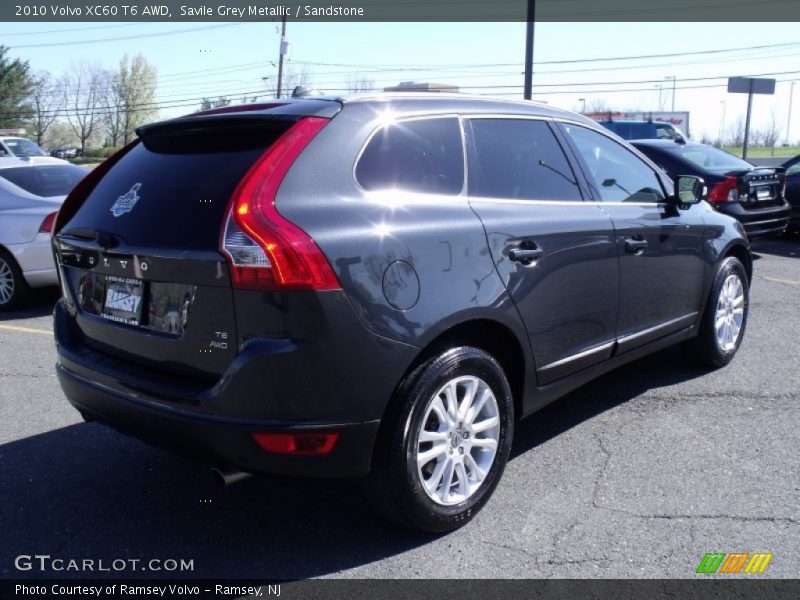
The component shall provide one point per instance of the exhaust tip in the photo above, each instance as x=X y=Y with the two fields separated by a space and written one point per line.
x=225 y=477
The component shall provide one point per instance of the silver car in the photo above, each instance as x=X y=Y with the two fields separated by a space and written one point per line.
x=31 y=192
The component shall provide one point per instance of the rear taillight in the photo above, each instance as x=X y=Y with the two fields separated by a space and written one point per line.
x=47 y=224
x=80 y=192
x=725 y=191
x=266 y=251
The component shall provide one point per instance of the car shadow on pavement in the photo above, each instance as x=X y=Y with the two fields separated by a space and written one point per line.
x=787 y=246
x=40 y=305
x=85 y=491
x=664 y=368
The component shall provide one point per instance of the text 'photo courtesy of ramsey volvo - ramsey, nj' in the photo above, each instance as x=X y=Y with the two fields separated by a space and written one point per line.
x=379 y=287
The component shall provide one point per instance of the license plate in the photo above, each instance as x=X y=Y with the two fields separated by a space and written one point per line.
x=764 y=193
x=123 y=301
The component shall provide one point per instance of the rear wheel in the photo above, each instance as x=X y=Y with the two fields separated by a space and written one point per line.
x=725 y=317
x=14 y=290
x=444 y=442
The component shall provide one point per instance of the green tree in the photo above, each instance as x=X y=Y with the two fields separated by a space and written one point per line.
x=209 y=103
x=16 y=84
x=131 y=96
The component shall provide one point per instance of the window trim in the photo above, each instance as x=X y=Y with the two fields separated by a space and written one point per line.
x=591 y=186
x=404 y=119
x=467 y=120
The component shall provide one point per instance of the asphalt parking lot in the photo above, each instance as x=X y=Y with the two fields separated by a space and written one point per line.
x=638 y=474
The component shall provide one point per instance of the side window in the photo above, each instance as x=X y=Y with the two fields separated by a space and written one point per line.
x=618 y=175
x=421 y=155
x=519 y=159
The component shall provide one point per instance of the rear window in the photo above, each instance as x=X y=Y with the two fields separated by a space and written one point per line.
x=23 y=147
x=423 y=155
x=709 y=158
x=45 y=180
x=172 y=189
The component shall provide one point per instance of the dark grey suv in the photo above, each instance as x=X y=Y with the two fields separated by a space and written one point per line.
x=378 y=287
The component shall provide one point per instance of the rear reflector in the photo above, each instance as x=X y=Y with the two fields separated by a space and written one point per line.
x=724 y=191
x=47 y=224
x=296 y=443
x=265 y=250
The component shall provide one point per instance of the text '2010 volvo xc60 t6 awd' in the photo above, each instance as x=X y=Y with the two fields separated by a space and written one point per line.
x=378 y=287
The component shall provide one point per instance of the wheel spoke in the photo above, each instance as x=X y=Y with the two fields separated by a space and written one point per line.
x=490 y=443
x=447 y=481
x=485 y=424
x=433 y=436
x=476 y=408
x=463 y=480
x=470 y=388
x=436 y=477
x=475 y=469
x=451 y=400
x=440 y=411
x=423 y=458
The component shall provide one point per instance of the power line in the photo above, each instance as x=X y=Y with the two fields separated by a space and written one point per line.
x=129 y=37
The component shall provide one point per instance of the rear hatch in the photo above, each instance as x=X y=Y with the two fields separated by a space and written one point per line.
x=140 y=258
x=761 y=188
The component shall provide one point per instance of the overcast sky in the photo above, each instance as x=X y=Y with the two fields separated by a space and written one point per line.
x=196 y=60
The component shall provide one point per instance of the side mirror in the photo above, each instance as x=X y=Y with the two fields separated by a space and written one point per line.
x=689 y=189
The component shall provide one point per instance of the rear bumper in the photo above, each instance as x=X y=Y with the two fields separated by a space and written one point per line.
x=272 y=386
x=758 y=222
x=215 y=440
x=35 y=259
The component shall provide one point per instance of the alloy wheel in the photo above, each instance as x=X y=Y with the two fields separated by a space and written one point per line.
x=730 y=313
x=457 y=440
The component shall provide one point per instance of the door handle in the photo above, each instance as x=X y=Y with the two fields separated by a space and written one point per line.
x=525 y=255
x=635 y=246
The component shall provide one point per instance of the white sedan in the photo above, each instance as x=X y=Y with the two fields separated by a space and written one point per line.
x=31 y=192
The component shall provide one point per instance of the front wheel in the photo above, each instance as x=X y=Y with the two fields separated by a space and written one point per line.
x=722 y=328
x=444 y=442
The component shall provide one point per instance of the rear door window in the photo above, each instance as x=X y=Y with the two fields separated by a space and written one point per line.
x=519 y=159
x=172 y=189
x=424 y=156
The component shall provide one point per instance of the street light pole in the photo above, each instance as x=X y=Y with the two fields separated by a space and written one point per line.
x=658 y=87
x=528 y=90
x=722 y=126
x=789 y=120
x=280 y=59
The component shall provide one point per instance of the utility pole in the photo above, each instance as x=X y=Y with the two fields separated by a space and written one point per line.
x=284 y=48
x=659 y=88
x=528 y=91
x=722 y=127
x=583 y=105
x=789 y=120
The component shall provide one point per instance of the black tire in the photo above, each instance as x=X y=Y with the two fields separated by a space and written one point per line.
x=11 y=276
x=705 y=348
x=394 y=486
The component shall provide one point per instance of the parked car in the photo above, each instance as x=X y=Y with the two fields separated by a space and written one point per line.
x=31 y=192
x=752 y=195
x=792 y=167
x=321 y=287
x=644 y=130
x=20 y=147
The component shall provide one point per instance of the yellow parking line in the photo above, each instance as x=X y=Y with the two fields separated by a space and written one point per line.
x=25 y=329
x=775 y=280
